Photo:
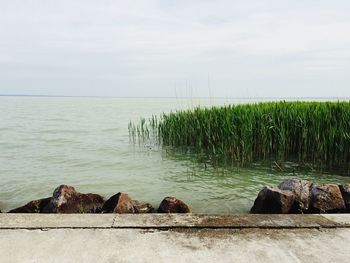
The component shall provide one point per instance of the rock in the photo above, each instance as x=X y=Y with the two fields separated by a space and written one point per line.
x=345 y=191
x=272 y=200
x=120 y=203
x=301 y=191
x=173 y=205
x=66 y=199
x=35 y=206
x=144 y=207
x=326 y=198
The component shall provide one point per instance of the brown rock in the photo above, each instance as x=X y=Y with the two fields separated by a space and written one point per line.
x=120 y=203
x=144 y=207
x=326 y=198
x=272 y=200
x=66 y=199
x=35 y=206
x=301 y=191
x=173 y=205
x=345 y=191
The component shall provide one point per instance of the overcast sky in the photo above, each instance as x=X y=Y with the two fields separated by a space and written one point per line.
x=255 y=48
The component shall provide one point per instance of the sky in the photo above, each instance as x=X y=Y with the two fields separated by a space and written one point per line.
x=175 y=48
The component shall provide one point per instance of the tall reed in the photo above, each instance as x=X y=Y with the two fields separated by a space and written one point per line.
x=316 y=133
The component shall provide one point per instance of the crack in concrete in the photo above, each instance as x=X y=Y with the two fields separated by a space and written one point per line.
x=114 y=220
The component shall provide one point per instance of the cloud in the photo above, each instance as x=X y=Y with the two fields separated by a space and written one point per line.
x=142 y=48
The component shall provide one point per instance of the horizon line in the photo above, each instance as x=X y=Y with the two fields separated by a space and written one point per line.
x=168 y=97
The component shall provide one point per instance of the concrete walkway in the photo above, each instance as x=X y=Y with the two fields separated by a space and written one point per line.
x=174 y=238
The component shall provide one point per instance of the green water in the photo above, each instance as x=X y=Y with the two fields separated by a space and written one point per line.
x=84 y=142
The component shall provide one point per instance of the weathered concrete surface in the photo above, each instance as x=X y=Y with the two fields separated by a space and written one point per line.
x=222 y=221
x=39 y=221
x=135 y=245
x=139 y=238
x=151 y=221
x=342 y=219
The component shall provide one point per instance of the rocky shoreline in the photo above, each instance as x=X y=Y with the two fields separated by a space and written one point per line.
x=292 y=196
x=295 y=196
x=65 y=200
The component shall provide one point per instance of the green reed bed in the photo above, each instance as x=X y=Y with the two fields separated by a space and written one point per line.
x=313 y=133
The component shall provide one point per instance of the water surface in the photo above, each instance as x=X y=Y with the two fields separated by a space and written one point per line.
x=84 y=142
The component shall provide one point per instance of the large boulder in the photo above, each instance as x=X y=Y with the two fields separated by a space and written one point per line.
x=66 y=199
x=301 y=191
x=345 y=191
x=326 y=198
x=36 y=206
x=120 y=203
x=173 y=205
x=272 y=200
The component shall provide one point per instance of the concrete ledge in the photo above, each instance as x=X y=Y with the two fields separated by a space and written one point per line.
x=222 y=221
x=39 y=221
x=174 y=238
x=168 y=221
x=341 y=219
